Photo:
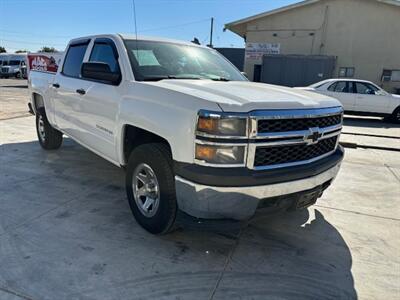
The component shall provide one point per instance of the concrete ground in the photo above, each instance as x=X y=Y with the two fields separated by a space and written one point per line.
x=66 y=231
x=13 y=98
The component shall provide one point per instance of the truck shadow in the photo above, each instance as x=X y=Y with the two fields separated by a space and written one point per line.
x=298 y=255
x=285 y=255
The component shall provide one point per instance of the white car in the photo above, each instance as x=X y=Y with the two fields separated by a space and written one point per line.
x=360 y=97
x=191 y=131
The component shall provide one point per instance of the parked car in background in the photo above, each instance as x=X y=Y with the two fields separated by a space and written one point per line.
x=13 y=65
x=360 y=97
x=191 y=131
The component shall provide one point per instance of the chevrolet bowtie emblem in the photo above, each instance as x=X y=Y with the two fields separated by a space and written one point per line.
x=313 y=136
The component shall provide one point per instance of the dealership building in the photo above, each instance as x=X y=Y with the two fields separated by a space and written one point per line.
x=329 y=38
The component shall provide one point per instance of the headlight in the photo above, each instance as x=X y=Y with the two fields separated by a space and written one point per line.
x=219 y=125
x=220 y=154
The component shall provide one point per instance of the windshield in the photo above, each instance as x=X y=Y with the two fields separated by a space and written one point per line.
x=152 y=60
x=14 y=62
x=318 y=84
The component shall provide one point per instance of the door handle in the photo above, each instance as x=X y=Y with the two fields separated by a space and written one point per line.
x=56 y=85
x=81 y=91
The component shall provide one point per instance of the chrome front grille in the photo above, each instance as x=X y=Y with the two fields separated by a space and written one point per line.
x=4 y=70
x=270 y=156
x=278 y=125
x=281 y=138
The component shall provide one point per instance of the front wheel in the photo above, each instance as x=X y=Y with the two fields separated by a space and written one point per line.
x=150 y=187
x=49 y=137
x=396 y=115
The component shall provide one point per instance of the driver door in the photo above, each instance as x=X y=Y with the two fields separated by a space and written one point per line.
x=367 y=99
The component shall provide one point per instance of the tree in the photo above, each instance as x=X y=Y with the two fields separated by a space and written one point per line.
x=48 y=49
x=2 y=50
x=21 y=51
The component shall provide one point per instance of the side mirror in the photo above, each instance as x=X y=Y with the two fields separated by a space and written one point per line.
x=370 y=92
x=100 y=71
x=245 y=74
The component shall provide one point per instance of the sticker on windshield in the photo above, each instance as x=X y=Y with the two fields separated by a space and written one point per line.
x=145 y=57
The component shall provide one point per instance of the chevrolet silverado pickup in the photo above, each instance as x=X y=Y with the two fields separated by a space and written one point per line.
x=192 y=133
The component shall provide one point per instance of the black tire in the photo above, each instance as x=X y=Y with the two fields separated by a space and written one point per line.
x=17 y=75
x=157 y=156
x=49 y=137
x=395 y=118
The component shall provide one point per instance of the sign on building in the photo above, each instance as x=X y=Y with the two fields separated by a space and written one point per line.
x=255 y=51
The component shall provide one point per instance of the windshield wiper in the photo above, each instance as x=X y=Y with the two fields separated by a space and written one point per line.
x=220 y=79
x=183 y=77
x=161 y=77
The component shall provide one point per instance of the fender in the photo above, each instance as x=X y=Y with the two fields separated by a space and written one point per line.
x=163 y=112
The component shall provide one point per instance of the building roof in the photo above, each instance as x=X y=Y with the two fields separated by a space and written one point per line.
x=286 y=8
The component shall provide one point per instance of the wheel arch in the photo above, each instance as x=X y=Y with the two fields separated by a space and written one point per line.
x=133 y=136
x=37 y=101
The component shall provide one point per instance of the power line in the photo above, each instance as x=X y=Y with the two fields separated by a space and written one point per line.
x=175 y=26
x=144 y=30
x=31 y=43
x=33 y=33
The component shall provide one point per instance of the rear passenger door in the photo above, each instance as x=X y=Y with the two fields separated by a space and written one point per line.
x=67 y=99
x=343 y=91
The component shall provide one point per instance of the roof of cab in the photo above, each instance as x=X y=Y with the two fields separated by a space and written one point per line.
x=139 y=37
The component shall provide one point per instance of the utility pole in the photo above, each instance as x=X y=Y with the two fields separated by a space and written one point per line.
x=211 y=32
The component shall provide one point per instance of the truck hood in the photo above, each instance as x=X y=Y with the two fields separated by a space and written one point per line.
x=244 y=96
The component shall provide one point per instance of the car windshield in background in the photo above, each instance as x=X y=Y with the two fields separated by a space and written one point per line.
x=152 y=61
x=14 y=62
x=318 y=84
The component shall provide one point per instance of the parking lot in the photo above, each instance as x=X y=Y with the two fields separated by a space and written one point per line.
x=66 y=230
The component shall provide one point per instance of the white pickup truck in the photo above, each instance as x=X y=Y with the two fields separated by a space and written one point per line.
x=191 y=131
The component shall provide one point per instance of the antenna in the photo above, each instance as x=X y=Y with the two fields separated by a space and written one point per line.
x=134 y=17
x=136 y=36
x=211 y=32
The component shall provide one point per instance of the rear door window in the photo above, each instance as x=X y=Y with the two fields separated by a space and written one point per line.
x=73 y=60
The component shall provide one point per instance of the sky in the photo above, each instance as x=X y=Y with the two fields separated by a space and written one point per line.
x=31 y=24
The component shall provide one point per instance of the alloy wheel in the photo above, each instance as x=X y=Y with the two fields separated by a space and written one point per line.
x=146 y=190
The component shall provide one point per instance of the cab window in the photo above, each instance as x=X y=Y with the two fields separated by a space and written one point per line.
x=104 y=52
x=73 y=60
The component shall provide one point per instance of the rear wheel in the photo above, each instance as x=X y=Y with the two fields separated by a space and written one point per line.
x=396 y=115
x=150 y=187
x=49 y=137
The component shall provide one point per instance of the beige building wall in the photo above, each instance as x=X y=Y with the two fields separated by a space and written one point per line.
x=364 y=34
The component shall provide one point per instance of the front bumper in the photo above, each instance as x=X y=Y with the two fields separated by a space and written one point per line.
x=241 y=202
